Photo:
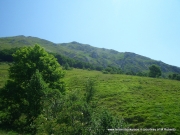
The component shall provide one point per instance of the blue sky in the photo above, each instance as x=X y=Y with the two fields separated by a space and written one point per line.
x=147 y=27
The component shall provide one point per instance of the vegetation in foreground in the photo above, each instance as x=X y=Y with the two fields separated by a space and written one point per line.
x=34 y=100
x=142 y=102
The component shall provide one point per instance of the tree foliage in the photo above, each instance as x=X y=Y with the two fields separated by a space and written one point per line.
x=32 y=74
x=174 y=77
x=154 y=71
x=12 y=104
x=27 y=60
x=35 y=93
x=6 y=54
x=34 y=99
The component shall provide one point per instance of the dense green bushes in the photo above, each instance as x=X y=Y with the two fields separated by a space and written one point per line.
x=34 y=99
x=33 y=72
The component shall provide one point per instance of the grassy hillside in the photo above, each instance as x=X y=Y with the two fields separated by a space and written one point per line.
x=143 y=102
x=127 y=61
x=97 y=56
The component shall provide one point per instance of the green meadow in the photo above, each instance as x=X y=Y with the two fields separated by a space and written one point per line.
x=141 y=101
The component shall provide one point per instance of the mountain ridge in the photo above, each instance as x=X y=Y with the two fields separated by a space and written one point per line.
x=127 y=61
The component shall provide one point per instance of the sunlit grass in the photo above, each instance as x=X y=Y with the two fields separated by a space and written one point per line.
x=143 y=102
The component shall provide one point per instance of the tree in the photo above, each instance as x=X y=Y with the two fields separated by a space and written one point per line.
x=66 y=66
x=6 y=54
x=28 y=59
x=154 y=71
x=35 y=92
x=33 y=71
x=12 y=104
x=174 y=76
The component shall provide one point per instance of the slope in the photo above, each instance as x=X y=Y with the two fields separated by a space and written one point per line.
x=143 y=102
x=128 y=62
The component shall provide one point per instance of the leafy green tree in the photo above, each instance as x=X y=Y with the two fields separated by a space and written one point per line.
x=12 y=103
x=154 y=71
x=35 y=93
x=28 y=59
x=33 y=73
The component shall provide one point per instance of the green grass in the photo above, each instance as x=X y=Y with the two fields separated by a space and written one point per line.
x=143 y=102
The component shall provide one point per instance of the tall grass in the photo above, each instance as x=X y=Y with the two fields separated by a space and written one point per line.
x=143 y=102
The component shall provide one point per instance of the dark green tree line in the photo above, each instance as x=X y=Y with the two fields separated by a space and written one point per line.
x=6 y=54
x=174 y=77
